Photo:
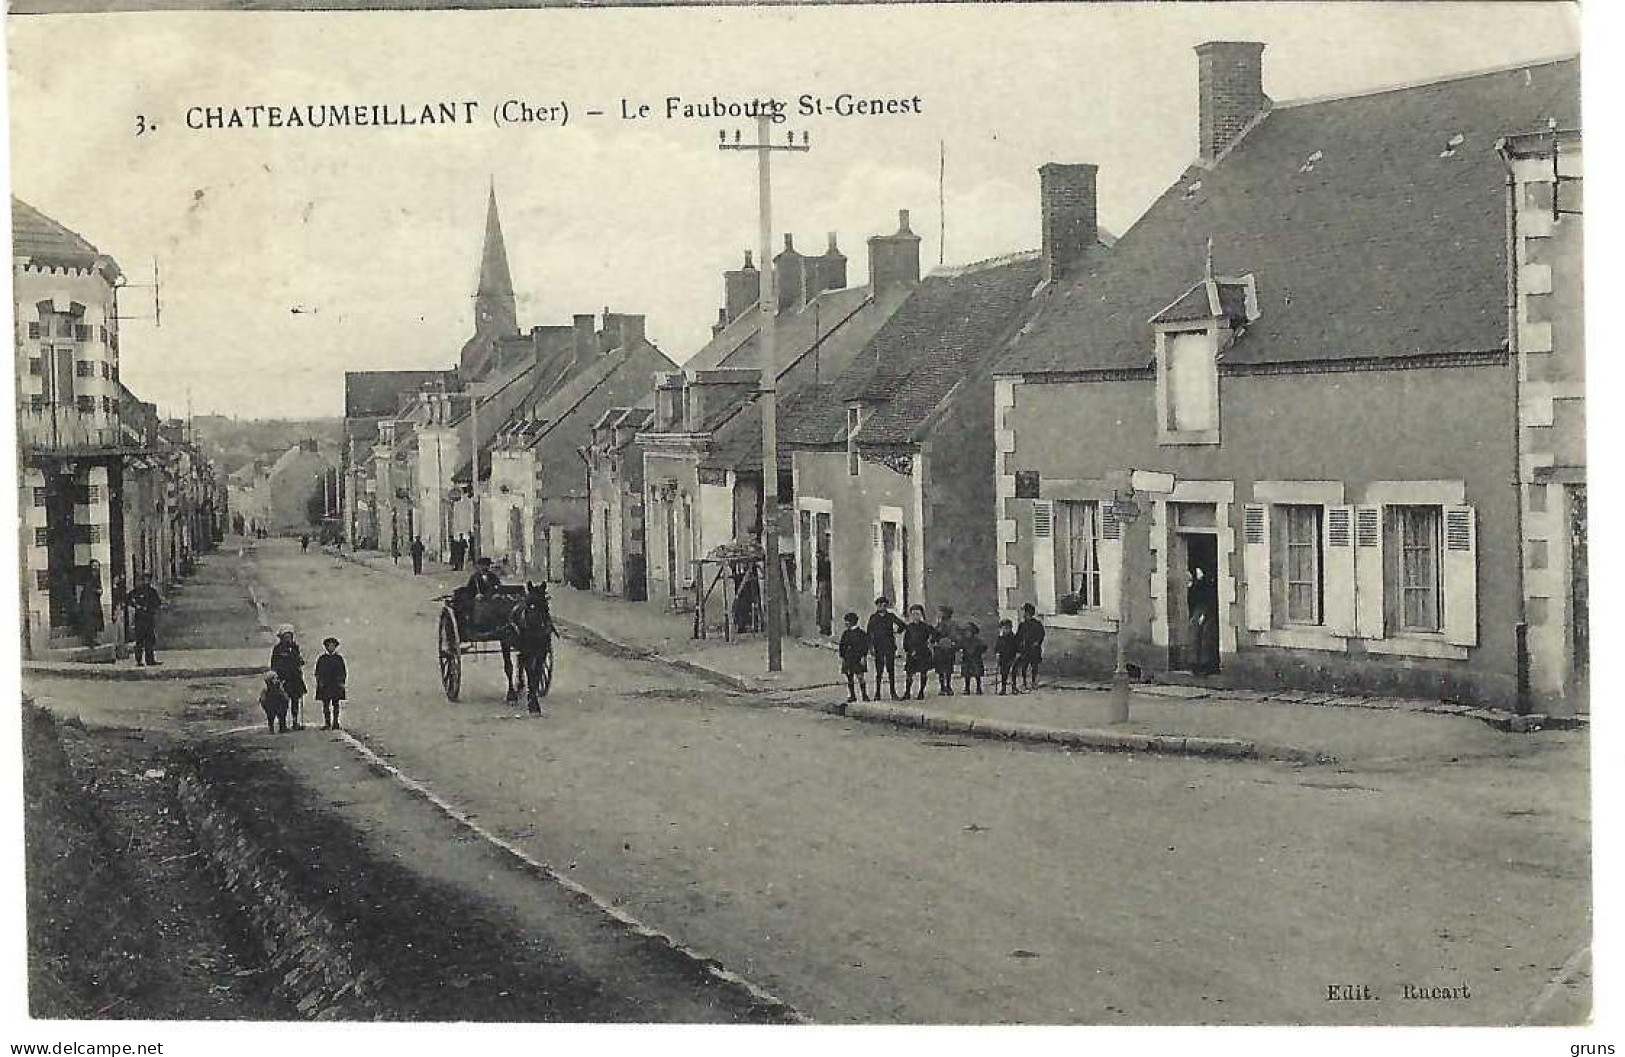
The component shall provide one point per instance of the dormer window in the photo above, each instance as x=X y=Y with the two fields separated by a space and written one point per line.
x=1191 y=333
x=1193 y=382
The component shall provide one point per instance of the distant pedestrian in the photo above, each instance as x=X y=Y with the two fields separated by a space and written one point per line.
x=945 y=649
x=855 y=648
x=395 y=549
x=289 y=665
x=917 y=659
x=274 y=703
x=883 y=628
x=971 y=650
x=91 y=622
x=417 y=555
x=144 y=603
x=1030 y=643
x=1005 y=651
x=304 y=542
x=331 y=676
x=456 y=546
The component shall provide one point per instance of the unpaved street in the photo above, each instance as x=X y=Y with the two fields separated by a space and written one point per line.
x=863 y=873
x=870 y=875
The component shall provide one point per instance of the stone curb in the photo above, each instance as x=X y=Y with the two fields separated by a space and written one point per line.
x=114 y=672
x=1105 y=740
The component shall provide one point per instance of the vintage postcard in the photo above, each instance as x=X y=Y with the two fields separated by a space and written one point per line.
x=976 y=514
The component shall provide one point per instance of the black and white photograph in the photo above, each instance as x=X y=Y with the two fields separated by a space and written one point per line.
x=766 y=516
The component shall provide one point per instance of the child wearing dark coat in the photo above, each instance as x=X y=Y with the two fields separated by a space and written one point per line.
x=1006 y=649
x=330 y=679
x=1030 y=636
x=274 y=702
x=288 y=663
x=917 y=658
x=855 y=648
x=944 y=649
x=971 y=650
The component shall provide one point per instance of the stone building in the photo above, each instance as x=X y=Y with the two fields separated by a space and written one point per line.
x=1303 y=352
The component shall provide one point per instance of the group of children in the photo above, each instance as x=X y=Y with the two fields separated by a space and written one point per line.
x=285 y=683
x=936 y=648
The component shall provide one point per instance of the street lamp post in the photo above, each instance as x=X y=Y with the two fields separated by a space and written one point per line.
x=767 y=310
x=1126 y=510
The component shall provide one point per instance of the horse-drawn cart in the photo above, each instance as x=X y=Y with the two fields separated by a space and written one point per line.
x=487 y=625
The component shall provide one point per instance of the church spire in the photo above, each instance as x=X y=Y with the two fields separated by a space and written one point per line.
x=495 y=314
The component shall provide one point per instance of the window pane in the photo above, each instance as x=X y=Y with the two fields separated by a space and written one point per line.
x=1079 y=524
x=1419 y=568
x=1302 y=563
x=1190 y=382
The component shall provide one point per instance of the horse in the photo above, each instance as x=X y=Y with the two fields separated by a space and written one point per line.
x=530 y=633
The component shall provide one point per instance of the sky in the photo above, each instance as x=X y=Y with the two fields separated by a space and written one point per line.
x=374 y=234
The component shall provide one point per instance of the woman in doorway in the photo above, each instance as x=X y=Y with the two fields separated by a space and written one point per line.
x=90 y=604
x=1202 y=603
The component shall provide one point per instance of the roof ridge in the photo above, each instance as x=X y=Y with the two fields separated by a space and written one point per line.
x=1404 y=86
x=954 y=271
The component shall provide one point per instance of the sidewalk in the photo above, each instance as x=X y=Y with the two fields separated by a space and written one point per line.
x=1239 y=724
x=211 y=625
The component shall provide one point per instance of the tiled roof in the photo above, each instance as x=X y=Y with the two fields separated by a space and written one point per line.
x=37 y=236
x=544 y=412
x=375 y=393
x=953 y=324
x=1374 y=226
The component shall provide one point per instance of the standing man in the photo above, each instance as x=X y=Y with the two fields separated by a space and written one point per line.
x=144 y=603
x=883 y=628
x=417 y=555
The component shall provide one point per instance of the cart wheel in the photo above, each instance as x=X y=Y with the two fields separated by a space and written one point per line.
x=546 y=678
x=451 y=657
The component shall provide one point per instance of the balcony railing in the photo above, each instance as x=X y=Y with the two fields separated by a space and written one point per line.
x=58 y=428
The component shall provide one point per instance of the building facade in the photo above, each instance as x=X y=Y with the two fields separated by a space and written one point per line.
x=1546 y=190
x=1301 y=353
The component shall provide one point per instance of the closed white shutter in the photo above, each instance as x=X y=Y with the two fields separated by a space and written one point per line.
x=1368 y=617
x=1111 y=560
x=1337 y=570
x=1255 y=556
x=1460 y=576
x=878 y=567
x=1044 y=555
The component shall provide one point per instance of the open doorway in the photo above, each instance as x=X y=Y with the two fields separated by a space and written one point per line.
x=1193 y=590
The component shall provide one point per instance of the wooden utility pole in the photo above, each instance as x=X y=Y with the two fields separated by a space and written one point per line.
x=772 y=573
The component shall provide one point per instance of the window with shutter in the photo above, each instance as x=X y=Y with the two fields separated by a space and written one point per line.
x=877 y=561
x=1369 y=620
x=34 y=330
x=1461 y=575
x=81 y=332
x=84 y=369
x=36 y=365
x=1255 y=556
x=42 y=537
x=1044 y=555
x=1301 y=582
x=1111 y=559
x=1338 y=572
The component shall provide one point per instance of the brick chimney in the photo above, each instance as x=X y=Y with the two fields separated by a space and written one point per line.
x=789 y=277
x=894 y=260
x=628 y=330
x=1230 y=78
x=668 y=416
x=740 y=289
x=826 y=272
x=1066 y=197
x=710 y=392
x=585 y=339
x=721 y=323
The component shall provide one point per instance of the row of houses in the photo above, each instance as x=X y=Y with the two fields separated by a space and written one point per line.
x=296 y=492
x=109 y=490
x=1315 y=418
